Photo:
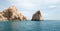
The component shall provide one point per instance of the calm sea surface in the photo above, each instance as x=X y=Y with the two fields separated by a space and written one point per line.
x=51 y=25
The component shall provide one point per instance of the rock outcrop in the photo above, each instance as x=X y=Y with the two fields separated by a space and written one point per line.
x=37 y=16
x=11 y=13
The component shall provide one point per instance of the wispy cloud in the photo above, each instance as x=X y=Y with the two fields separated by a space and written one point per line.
x=52 y=6
x=51 y=1
x=26 y=4
x=1 y=6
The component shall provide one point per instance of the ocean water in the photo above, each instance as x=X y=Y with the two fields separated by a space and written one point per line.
x=47 y=25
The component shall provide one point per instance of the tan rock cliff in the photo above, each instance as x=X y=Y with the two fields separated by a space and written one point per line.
x=11 y=13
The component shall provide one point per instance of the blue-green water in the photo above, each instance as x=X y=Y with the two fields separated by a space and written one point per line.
x=51 y=25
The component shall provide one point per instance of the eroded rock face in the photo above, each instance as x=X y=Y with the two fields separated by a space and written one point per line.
x=37 y=16
x=11 y=13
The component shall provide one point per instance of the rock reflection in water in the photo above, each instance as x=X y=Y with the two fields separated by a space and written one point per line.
x=26 y=26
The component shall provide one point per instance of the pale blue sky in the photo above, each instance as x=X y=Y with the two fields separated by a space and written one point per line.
x=50 y=9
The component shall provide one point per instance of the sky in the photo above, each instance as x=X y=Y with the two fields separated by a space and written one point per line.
x=50 y=9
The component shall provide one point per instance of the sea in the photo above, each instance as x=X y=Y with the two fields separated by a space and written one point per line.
x=46 y=25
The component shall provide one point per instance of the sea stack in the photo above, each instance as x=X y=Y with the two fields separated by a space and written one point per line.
x=11 y=13
x=37 y=16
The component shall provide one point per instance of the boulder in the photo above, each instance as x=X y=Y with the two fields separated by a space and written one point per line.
x=2 y=17
x=37 y=16
x=11 y=13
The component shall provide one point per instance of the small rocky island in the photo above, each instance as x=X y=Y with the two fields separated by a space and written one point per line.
x=37 y=16
x=11 y=13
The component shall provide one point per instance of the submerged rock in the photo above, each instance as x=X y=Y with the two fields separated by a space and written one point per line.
x=11 y=13
x=37 y=16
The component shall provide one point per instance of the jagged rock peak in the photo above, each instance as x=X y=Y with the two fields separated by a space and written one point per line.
x=37 y=16
x=12 y=7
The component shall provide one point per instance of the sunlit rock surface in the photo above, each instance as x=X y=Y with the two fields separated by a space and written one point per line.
x=37 y=16
x=11 y=13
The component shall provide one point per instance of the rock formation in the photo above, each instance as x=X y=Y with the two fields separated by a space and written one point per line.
x=11 y=13
x=37 y=16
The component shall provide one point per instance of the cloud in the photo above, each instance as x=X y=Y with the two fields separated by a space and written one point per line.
x=26 y=4
x=51 y=1
x=52 y=6
x=0 y=6
x=28 y=14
